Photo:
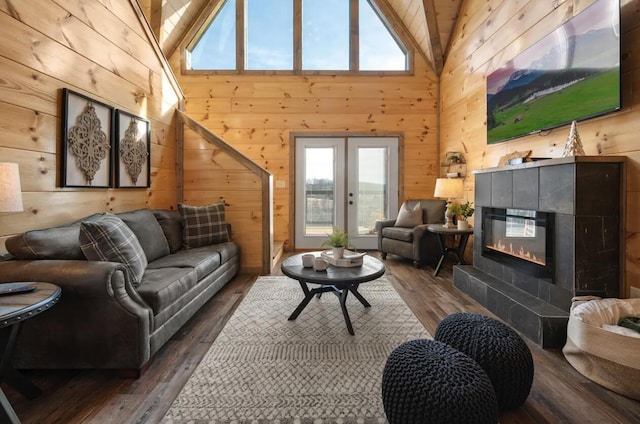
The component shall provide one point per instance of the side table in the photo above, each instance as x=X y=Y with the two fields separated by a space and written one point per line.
x=14 y=310
x=457 y=249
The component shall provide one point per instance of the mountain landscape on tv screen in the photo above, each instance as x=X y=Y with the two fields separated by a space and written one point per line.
x=569 y=81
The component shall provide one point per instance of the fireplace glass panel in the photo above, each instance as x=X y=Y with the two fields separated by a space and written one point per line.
x=518 y=237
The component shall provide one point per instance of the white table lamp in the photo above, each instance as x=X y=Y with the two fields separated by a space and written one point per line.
x=448 y=188
x=10 y=190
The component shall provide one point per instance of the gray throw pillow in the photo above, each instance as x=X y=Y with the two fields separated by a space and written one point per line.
x=409 y=217
x=148 y=231
x=203 y=225
x=110 y=239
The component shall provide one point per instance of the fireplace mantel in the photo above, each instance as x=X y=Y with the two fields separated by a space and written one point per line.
x=551 y=162
x=585 y=194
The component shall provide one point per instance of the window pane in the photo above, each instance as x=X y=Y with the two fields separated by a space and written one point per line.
x=216 y=49
x=269 y=34
x=319 y=190
x=325 y=34
x=379 y=51
x=372 y=187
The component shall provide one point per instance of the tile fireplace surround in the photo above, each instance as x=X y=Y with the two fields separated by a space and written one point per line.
x=585 y=196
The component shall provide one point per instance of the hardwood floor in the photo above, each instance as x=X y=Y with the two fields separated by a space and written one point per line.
x=559 y=393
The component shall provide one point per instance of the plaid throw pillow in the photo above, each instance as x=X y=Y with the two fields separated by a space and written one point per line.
x=203 y=225
x=110 y=239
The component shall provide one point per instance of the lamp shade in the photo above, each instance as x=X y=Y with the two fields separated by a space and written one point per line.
x=449 y=188
x=10 y=191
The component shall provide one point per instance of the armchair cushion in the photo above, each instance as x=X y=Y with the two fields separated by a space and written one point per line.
x=408 y=217
x=398 y=233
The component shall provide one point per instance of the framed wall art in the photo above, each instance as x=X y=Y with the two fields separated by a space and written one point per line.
x=87 y=153
x=133 y=143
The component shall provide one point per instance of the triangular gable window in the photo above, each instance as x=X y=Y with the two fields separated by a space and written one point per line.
x=318 y=38
x=379 y=49
x=216 y=48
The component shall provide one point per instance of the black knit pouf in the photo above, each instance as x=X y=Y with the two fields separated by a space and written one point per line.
x=497 y=348
x=425 y=381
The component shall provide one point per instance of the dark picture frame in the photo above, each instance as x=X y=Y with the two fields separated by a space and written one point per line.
x=133 y=151
x=87 y=142
x=572 y=74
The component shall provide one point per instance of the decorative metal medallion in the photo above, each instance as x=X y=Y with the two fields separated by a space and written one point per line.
x=88 y=142
x=133 y=151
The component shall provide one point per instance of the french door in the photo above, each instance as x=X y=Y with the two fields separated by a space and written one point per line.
x=345 y=182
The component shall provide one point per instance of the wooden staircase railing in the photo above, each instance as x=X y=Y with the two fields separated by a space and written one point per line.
x=217 y=171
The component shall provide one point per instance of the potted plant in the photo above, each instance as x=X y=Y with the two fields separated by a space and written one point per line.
x=463 y=212
x=338 y=240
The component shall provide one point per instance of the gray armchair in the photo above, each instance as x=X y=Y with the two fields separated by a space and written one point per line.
x=415 y=243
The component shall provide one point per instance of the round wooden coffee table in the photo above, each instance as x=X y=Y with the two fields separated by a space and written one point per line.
x=337 y=280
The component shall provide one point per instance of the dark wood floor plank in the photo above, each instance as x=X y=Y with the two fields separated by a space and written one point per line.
x=559 y=393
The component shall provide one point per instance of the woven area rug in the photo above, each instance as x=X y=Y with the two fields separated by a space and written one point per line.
x=263 y=368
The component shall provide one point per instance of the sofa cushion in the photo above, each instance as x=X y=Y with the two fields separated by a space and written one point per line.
x=409 y=217
x=398 y=233
x=204 y=260
x=50 y=243
x=171 y=223
x=202 y=225
x=163 y=286
x=148 y=231
x=110 y=239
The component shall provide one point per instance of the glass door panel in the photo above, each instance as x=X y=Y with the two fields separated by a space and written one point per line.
x=319 y=189
x=373 y=186
x=344 y=182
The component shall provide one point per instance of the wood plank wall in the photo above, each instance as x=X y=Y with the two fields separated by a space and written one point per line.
x=491 y=32
x=257 y=113
x=97 y=48
x=211 y=175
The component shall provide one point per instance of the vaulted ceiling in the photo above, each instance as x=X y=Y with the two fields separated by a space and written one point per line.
x=430 y=22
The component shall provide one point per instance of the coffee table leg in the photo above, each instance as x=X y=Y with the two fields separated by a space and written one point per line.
x=345 y=313
x=308 y=295
x=354 y=289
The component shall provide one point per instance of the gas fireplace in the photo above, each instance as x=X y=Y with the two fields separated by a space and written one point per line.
x=521 y=239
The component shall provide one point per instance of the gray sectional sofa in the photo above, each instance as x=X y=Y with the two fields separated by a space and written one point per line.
x=105 y=318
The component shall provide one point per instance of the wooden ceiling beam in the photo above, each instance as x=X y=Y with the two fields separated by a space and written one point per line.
x=434 y=35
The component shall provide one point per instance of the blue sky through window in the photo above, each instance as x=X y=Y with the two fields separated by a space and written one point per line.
x=378 y=49
x=325 y=38
x=216 y=49
x=325 y=34
x=270 y=34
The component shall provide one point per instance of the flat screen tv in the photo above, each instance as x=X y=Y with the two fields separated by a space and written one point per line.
x=571 y=74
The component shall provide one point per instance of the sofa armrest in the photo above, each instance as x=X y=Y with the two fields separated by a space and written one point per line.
x=100 y=322
x=92 y=279
x=380 y=225
x=81 y=279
